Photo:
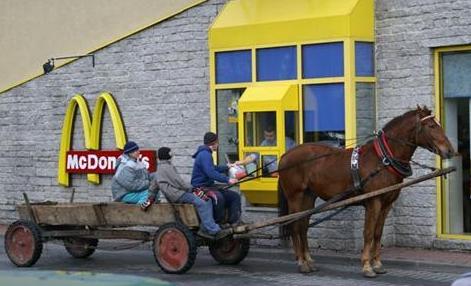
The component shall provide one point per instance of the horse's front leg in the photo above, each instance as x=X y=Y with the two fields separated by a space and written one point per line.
x=373 y=210
x=377 y=264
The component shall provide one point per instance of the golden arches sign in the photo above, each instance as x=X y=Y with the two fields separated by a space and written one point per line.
x=91 y=130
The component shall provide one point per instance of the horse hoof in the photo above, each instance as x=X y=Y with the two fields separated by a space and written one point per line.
x=304 y=268
x=379 y=270
x=312 y=266
x=369 y=273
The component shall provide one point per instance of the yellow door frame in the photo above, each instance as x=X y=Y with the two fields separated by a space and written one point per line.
x=441 y=213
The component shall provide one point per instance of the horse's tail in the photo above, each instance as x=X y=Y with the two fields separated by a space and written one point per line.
x=282 y=211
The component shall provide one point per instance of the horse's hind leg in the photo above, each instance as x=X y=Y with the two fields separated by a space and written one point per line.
x=376 y=251
x=309 y=202
x=298 y=229
x=305 y=244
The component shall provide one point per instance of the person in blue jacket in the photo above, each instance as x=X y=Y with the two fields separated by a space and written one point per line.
x=204 y=175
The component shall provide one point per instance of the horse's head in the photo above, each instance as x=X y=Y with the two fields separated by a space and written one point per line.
x=430 y=134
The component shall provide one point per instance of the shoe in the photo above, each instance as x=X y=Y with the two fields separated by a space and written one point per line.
x=206 y=235
x=223 y=233
x=225 y=225
x=145 y=205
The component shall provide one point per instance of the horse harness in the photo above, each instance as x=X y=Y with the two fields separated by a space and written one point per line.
x=384 y=153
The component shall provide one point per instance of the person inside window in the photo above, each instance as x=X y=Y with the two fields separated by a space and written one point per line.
x=131 y=181
x=204 y=175
x=270 y=164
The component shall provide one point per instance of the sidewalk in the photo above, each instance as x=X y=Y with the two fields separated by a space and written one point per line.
x=414 y=256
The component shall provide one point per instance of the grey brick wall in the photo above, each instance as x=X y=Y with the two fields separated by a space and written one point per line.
x=406 y=33
x=160 y=80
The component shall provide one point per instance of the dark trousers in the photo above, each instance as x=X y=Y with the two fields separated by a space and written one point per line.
x=229 y=200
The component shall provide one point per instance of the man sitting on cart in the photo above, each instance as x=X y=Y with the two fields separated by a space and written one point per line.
x=131 y=182
x=176 y=190
x=203 y=177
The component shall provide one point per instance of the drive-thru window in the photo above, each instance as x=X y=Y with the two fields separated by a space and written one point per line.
x=304 y=76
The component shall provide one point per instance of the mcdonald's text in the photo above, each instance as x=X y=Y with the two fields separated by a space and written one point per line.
x=102 y=162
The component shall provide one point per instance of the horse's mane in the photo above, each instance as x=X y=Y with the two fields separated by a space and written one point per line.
x=400 y=119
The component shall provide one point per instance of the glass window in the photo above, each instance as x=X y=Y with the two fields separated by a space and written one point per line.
x=276 y=63
x=291 y=129
x=364 y=59
x=251 y=168
x=456 y=75
x=234 y=66
x=324 y=113
x=269 y=165
x=226 y=114
x=456 y=98
x=260 y=128
x=323 y=60
x=365 y=111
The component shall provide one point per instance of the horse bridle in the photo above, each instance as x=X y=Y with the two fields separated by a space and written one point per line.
x=419 y=129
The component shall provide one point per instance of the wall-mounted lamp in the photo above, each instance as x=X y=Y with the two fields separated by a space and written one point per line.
x=49 y=65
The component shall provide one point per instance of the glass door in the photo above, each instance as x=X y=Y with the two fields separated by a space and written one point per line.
x=456 y=96
x=227 y=112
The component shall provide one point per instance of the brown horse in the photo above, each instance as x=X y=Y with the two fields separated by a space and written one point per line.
x=310 y=170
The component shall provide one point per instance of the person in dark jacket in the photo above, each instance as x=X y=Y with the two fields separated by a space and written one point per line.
x=204 y=175
x=178 y=191
x=131 y=182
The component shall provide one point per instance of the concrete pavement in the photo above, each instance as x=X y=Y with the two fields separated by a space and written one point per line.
x=267 y=266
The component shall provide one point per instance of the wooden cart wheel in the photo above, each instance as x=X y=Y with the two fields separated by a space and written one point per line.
x=80 y=247
x=23 y=243
x=230 y=251
x=174 y=248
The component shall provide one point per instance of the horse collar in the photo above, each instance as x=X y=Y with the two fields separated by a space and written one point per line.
x=384 y=153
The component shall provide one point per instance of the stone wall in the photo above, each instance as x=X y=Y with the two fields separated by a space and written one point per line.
x=159 y=78
x=406 y=34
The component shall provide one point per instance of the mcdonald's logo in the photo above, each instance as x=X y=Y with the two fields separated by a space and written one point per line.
x=93 y=161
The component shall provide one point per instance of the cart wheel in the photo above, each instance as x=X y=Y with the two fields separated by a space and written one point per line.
x=174 y=248
x=80 y=247
x=230 y=251
x=23 y=243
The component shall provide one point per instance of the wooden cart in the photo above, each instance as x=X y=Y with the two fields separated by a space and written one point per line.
x=81 y=225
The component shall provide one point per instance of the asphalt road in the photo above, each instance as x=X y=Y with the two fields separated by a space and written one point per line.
x=261 y=267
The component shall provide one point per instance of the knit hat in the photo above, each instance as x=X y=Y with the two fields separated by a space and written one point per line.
x=130 y=147
x=164 y=153
x=210 y=138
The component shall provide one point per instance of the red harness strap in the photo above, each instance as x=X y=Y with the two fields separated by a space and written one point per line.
x=386 y=155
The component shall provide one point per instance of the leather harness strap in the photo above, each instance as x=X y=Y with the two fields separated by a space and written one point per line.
x=355 y=167
x=384 y=153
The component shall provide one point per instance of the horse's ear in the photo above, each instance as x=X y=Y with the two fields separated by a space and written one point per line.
x=419 y=108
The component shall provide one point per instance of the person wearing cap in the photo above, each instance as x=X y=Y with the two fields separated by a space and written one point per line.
x=177 y=190
x=131 y=182
x=204 y=175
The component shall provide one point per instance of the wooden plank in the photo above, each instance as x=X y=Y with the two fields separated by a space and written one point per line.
x=110 y=214
x=157 y=214
x=63 y=214
x=99 y=233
